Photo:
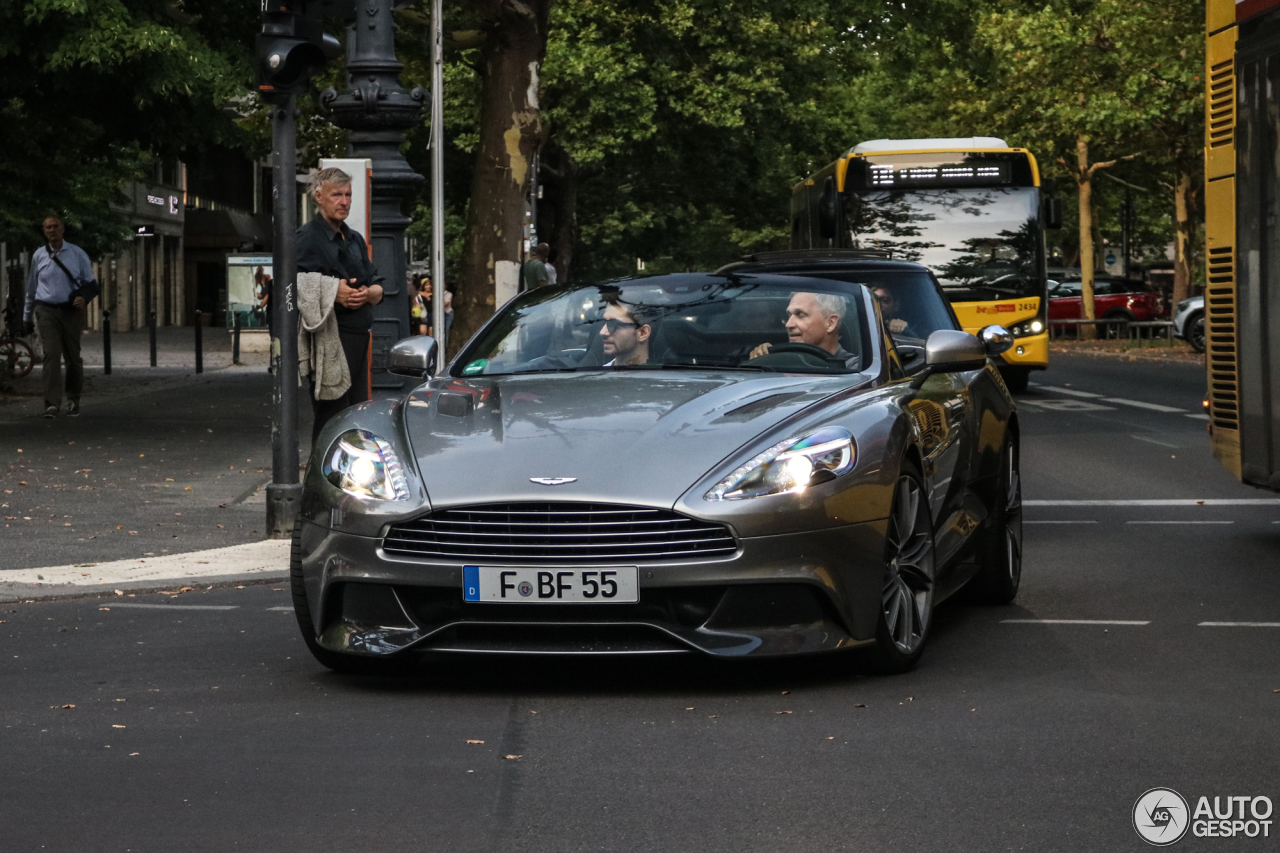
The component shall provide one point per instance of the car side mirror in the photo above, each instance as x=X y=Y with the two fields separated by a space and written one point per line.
x=828 y=210
x=996 y=339
x=415 y=356
x=950 y=351
x=1052 y=213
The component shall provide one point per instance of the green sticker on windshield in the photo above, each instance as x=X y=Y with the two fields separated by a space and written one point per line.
x=475 y=367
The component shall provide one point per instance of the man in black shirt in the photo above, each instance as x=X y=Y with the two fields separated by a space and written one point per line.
x=327 y=246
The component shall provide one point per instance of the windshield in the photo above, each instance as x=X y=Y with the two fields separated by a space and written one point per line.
x=983 y=244
x=680 y=322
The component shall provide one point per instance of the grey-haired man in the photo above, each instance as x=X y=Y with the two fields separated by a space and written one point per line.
x=55 y=306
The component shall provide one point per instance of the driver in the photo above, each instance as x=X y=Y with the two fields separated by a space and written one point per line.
x=889 y=309
x=814 y=318
x=626 y=339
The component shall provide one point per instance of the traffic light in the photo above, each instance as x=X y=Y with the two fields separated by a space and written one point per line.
x=293 y=47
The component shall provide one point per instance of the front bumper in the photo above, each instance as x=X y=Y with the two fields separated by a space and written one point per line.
x=778 y=595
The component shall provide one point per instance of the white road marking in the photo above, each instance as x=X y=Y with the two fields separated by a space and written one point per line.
x=1165 y=502
x=1198 y=416
x=1139 y=404
x=1179 y=522
x=1153 y=441
x=1072 y=406
x=1070 y=392
x=1070 y=522
x=113 y=605
x=1238 y=625
x=290 y=609
x=1072 y=622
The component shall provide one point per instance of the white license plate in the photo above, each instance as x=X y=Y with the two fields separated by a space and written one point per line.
x=550 y=586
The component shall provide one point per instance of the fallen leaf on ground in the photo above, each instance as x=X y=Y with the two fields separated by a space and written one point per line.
x=689 y=709
x=513 y=757
x=68 y=707
x=104 y=608
x=785 y=692
x=475 y=741
x=116 y=726
x=860 y=705
x=831 y=738
x=118 y=591
x=134 y=753
x=782 y=712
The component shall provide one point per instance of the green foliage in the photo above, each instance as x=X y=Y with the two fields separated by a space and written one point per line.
x=96 y=91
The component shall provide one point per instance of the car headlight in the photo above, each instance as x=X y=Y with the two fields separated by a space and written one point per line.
x=364 y=466
x=790 y=466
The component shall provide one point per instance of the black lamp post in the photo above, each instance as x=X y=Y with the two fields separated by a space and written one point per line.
x=375 y=111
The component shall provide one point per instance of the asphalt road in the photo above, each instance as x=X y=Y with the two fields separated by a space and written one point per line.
x=201 y=724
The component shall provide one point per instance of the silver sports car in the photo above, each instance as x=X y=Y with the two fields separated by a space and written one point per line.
x=729 y=464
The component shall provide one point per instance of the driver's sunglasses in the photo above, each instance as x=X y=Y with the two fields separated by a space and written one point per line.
x=613 y=325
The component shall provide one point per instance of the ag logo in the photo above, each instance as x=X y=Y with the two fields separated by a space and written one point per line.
x=1161 y=817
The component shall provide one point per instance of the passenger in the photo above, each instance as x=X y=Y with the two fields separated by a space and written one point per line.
x=814 y=318
x=626 y=339
x=890 y=310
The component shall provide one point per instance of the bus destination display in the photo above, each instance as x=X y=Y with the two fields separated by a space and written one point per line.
x=974 y=173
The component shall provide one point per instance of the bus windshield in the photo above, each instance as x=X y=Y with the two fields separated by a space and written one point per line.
x=983 y=243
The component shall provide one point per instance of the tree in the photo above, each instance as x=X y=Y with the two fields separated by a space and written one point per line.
x=1099 y=77
x=97 y=90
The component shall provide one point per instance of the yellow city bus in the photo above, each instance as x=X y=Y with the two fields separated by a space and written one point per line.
x=969 y=209
x=1242 y=236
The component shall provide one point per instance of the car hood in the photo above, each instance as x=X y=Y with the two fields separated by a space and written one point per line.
x=641 y=438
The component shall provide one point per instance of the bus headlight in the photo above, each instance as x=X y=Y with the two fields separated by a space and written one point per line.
x=1027 y=328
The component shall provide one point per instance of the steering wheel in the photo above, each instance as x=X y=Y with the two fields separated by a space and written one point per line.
x=800 y=349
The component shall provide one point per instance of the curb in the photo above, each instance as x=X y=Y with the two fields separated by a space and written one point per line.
x=256 y=562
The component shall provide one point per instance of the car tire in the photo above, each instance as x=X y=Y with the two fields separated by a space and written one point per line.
x=1121 y=330
x=1000 y=553
x=906 y=599
x=1194 y=332
x=336 y=661
x=1015 y=379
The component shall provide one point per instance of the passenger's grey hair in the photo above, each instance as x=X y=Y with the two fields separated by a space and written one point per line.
x=332 y=175
x=828 y=303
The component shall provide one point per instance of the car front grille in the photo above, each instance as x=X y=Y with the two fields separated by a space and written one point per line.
x=558 y=533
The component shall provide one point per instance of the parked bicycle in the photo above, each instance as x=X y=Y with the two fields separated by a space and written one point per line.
x=14 y=351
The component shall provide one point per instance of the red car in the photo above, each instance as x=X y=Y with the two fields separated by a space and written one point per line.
x=1113 y=298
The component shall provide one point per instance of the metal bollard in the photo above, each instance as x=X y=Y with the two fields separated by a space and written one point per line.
x=235 y=341
x=106 y=342
x=199 y=344
x=151 y=322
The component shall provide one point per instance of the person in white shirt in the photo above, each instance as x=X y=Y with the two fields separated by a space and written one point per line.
x=56 y=305
x=626 y=340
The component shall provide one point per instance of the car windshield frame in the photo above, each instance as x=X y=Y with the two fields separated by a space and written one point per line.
x=700 y=322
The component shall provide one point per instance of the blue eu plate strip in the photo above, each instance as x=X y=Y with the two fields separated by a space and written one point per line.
x=471 y=583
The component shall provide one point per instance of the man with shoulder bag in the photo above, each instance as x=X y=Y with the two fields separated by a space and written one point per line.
x=59 y=288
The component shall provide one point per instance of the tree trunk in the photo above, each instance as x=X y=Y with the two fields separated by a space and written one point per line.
x=566 y=211
x=1084 y=176
x=1182 y=244
x=510 y=132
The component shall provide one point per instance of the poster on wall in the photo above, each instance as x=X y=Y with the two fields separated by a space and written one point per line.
x=248 y=290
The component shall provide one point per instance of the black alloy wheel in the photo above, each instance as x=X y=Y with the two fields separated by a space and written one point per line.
x=1195 y=332
x=1000 y=556
x=906 y=602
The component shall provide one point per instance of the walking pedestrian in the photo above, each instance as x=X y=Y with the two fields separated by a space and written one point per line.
x=60 y=286
x=326 y=245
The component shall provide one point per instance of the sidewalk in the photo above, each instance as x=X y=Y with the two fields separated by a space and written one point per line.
x=162 y=461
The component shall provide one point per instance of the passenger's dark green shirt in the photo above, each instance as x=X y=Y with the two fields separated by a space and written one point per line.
x=341 y=254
